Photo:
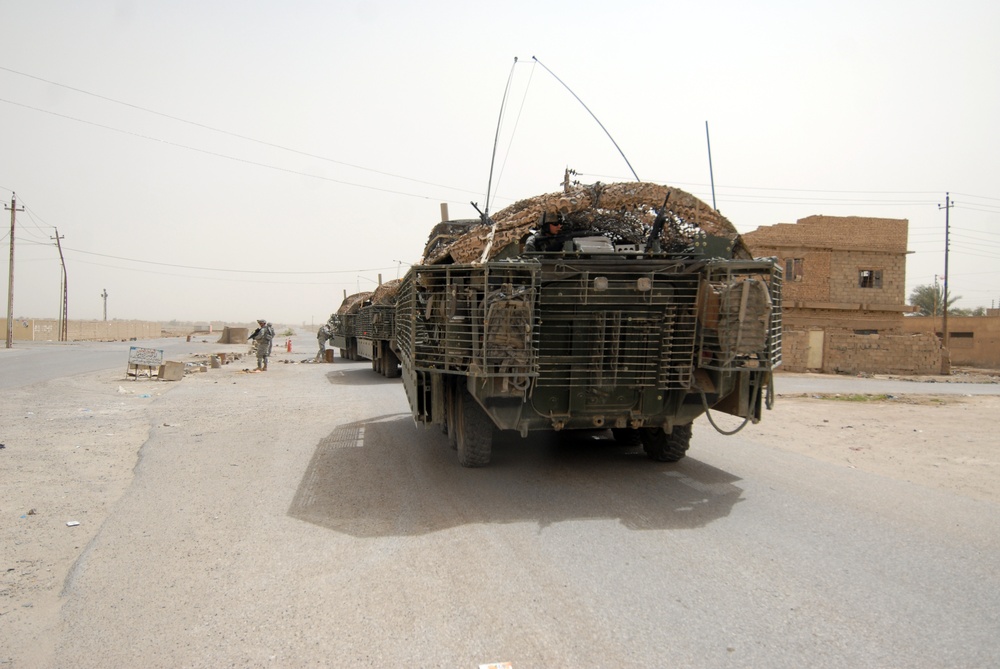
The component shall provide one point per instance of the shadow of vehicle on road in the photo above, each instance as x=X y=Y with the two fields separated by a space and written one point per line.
x=358 y=376
x=386 y=477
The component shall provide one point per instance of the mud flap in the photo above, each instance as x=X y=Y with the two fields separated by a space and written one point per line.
x=746 y=399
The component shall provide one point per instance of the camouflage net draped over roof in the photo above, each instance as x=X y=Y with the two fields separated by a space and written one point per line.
x=352 y=303
x=386 y=292
x=623 y=212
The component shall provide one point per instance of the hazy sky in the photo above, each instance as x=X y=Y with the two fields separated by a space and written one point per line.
x=242 y=160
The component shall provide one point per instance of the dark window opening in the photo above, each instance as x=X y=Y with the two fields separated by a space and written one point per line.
x=960 y=335
x=865 y=332
x=869 y=278
x=793 y=269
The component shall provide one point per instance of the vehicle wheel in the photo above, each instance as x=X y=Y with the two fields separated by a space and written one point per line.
x=665 y=447
x=626 y=436
x=473 y=431
x=392 y=369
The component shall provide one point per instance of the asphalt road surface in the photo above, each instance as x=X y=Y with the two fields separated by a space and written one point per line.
x=299 y=518
x=27 y=363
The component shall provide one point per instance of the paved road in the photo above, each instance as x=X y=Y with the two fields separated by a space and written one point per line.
x=27 y=363
x=299 y=518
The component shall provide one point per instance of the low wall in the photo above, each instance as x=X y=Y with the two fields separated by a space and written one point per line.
x=848 y=353
x=973 y=341
x=48 y=330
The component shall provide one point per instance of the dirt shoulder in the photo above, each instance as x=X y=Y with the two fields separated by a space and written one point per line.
x=949 y=442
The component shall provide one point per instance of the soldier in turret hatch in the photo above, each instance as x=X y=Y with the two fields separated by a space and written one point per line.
x=549 y=236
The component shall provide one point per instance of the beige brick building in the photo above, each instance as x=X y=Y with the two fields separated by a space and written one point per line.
x=844 y=295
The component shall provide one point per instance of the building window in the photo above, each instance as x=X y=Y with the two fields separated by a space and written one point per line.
x=793 y=269
x=869 y=278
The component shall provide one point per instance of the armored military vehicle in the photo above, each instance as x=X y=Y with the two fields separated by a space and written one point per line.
x=375 y=330
x=343 y=325
x=652 y=313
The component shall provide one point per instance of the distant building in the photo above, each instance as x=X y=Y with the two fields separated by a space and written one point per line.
x=844 y=296
x=973 y=341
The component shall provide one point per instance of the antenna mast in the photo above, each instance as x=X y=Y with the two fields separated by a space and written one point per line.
x=496 y=139
x=592 y=116
x=711 y=175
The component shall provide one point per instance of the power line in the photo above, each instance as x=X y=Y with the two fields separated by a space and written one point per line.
x=224 y=132
x=228 y=157
x=219 y=269
x=980 y=208
x=217 y=278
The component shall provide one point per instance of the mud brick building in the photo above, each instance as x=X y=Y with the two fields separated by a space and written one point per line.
x=973 y=341
x=844 y=296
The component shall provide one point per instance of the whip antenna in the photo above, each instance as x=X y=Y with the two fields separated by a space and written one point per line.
x=592 y=115
x=496 y=138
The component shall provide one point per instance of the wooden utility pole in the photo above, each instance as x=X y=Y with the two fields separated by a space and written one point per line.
x=10 y=284
x=64 y=312
x=948 y=204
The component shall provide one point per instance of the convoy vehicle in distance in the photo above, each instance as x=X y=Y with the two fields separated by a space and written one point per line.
x=375 y=332
x=343 y=325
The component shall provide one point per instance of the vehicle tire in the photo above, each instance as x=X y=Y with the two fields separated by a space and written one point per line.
x=392 y=369
x=664 y=447
x=473 y=431
x=626 y=436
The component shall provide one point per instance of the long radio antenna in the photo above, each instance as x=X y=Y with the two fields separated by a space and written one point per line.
x=592 y=115
x=711 y=175
x=496 y=139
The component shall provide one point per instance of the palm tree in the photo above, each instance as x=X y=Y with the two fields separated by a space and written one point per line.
x=929 y=300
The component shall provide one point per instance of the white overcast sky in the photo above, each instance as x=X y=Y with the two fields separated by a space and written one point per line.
x=242 y=160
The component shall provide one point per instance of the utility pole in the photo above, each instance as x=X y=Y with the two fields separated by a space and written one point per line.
x=105 y=296
x=10 y=284
x=64 y=312
x=948 y=204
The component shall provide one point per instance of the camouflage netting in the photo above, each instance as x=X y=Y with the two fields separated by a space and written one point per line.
x=386 y=293
x=352 y=303
x=623 y=212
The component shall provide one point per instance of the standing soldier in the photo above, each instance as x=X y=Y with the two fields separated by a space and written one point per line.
x=321 y=337
x=262 y=338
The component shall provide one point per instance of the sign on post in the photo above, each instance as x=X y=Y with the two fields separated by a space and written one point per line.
x=143 y=357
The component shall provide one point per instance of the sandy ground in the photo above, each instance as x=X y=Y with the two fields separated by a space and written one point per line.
x=70 y=446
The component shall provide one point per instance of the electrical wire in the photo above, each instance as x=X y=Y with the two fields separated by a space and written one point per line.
x=224 y=132
x=235 y=271
x=216 y=154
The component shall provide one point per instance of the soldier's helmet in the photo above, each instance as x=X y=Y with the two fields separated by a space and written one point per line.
x=549 y=218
